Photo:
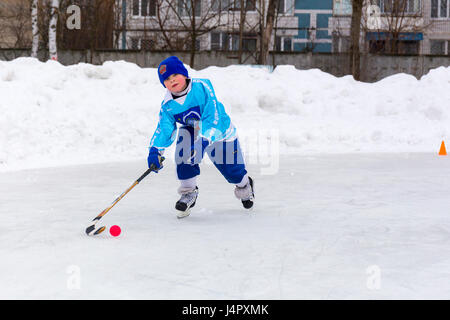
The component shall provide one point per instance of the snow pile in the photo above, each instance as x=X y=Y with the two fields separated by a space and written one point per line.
x=56 y=115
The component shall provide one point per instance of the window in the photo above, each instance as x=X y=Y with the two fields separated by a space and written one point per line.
x=235 y=5
x=215 y=41
x=409 y=47
x=341 y=43
x=394 y=47
x=283 y=44
x=287 y=44
x=250 y=5
x=248 y=42
x=134 y=44
x=281 y=6
x=399 y=6
x=141 y=44
x=189 y=45
x=249 y=45
x=185 y=8
x=225 y=41
x=234 y=42
x=219 y=41
x=136 y=8
x=147 y=44
x=144 y=8
x=285 y=6
x=444 y=9
x=385 y=5
x=413 y=6
x=440 y=9
x=377 y=46
x=219 y=5
x=342 y=7
x=434 y=8
x=437 y=47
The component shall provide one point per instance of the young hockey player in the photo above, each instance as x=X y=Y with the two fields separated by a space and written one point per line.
x=205 y=127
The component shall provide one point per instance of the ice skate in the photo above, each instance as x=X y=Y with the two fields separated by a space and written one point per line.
x=186 y=202
x=246 y=194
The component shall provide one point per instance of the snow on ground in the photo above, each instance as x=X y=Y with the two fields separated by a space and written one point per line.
x=56 y=115
x=352 y=199
x=364 y=226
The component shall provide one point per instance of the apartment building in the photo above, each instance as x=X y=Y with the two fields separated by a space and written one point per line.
x=301 y=25
x=313 y=25
x=437 y=36
x=417 y=26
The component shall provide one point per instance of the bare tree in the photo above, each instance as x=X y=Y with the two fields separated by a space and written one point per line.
x=269 y=21
x=163 y=18
x=247 y=28
x=195 y=20
x=34 y=28
x=355 y=32
x=52 y=30
x=15 y=23
x=392 y=19
x=267 y=31
x=119 y=22
x=241 y=29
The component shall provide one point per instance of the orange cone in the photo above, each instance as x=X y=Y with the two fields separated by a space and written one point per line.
x=442 y=151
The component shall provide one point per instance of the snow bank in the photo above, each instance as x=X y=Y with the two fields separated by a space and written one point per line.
x=56 y=115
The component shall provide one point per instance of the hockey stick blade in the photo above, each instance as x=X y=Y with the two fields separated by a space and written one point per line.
x=92 y=230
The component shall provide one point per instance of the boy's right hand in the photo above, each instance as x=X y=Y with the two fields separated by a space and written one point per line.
x=154 y=159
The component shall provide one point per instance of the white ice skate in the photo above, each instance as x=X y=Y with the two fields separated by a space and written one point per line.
x=246 y=194
x=186 y=202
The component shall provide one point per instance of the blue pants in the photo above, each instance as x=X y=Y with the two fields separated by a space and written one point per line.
x=226 y=156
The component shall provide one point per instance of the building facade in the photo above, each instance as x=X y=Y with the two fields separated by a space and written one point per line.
x=437 y=37
x=313 y=24
x=301 y=25
x=413 y=27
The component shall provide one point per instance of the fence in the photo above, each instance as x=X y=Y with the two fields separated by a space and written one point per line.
x=374 y=67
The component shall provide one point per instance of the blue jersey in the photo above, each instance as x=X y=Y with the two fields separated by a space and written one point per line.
x=200 y=109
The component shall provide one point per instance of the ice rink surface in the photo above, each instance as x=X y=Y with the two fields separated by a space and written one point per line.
x=349 y=226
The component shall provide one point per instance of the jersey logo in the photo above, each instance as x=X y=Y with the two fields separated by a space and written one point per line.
x=189 y=117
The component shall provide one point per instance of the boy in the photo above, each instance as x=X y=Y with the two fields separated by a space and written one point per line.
x=205 y=127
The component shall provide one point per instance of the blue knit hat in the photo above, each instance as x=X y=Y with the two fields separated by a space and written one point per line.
x=170 y=66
